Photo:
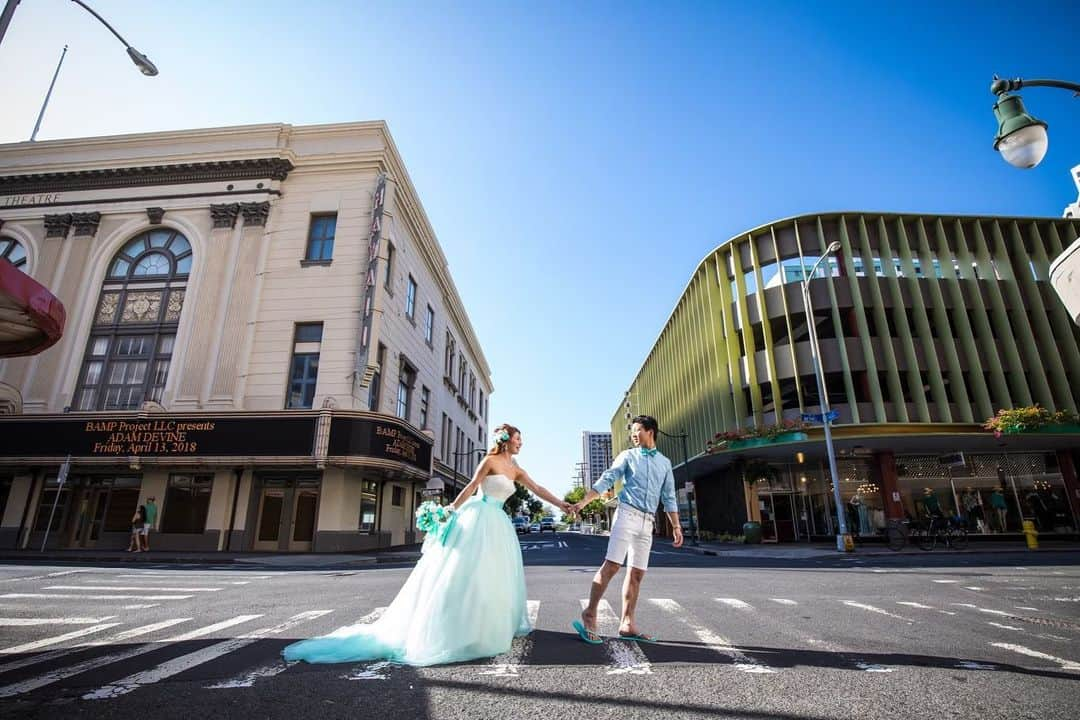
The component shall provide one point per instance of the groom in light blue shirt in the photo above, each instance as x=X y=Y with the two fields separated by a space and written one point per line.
x=647 y=481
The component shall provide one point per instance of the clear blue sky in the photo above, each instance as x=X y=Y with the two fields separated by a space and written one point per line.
x=578 y=160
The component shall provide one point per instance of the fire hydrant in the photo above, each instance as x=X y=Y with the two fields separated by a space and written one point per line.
x=1031 y=534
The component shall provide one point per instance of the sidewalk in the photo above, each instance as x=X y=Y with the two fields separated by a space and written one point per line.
x=792 y=551
x=240 y=559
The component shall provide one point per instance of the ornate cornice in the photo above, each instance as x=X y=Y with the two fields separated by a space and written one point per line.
x=155 y=215
x=57 y=225
x=224 y=216
x=217 y=171
x=86 y=224
x=255 y=213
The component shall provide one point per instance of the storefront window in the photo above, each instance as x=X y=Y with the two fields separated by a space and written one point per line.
x=187 y=502
x=368 y=506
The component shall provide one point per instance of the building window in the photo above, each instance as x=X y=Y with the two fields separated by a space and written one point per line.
x=388 y=279
x=397 y=496
x=406 y=381
x=187 y=501
x=483 y=413
x=368 y=506
x=410 y=299
x=129 y=351
x=307 y=341
x=451 y=351
x=463 y=369
x=376 y=379
x=445 y=437
x=320 y=245
x=425 y=402
x=13 y=251
x=472 y=390
x=429 y=326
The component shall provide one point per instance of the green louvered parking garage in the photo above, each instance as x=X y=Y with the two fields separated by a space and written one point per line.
x=928 y=325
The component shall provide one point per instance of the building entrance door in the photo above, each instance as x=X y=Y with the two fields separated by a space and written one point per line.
x=287 y=514
x=778 y=519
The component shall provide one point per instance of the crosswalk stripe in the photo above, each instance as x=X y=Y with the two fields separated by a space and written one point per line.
x=626 y=657
x=192 y=576
x=735 y=603
x=184 y=662
x=93 y=663
x=784 y=601
x=63 y=596
x=1003 y=627
x=1065 y=664
x=508 y=664
x=24 y=622
x=130 y=588
x=117 y=638
x=27 y=647
x=248 y=678
x=920 y=606
x=711 y=640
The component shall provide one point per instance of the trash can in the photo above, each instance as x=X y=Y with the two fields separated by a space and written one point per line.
x=751 y=533
x=1031 y=535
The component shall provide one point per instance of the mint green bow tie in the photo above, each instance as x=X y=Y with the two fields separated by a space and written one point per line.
x=648 y=452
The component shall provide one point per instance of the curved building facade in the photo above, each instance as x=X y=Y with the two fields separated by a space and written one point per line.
x=927 y=327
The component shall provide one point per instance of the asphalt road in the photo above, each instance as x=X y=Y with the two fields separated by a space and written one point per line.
x=987 y=635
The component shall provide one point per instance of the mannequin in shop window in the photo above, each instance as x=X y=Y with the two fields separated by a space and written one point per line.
x=972 y=505
x=997 y=502
x=930 y=506
x=862 y=514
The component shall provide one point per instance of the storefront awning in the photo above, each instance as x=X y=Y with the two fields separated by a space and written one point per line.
x=31 y=317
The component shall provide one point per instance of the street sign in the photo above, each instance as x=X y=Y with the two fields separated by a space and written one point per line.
x=689 y=485
x=428 y=492
x=831 y=416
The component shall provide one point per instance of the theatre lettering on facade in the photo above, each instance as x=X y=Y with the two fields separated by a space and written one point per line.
x=263 y=336
x=927 y=325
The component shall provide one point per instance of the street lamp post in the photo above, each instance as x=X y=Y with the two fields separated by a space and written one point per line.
x=140 y=60
x=843 y=540
x=479 y=454
x=690 y=493
x=1021 y=139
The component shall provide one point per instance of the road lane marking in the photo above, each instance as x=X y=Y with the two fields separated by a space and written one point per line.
x=1024 y=607
x=52 y=676
x=248 y=678
x=735 y=603
x=879 y=611
x=42 y=577
x=129 y=588
x=1003 y=627
x=27 y=647
x=920 y=606
x=626 y=657
x=142 y=606
x=22 y=622
x=117 y=638
x=711 y=640
x=58 y=596
x=946 y=581
x=509 y=663
x=179 y=664
x=784 y=601
x=1065 y=664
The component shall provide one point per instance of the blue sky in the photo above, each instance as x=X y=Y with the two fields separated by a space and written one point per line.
x=578 y=160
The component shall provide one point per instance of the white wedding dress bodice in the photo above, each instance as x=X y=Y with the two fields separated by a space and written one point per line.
x=497 y=487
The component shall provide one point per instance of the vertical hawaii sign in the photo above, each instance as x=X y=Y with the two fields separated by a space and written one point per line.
x=362 y=374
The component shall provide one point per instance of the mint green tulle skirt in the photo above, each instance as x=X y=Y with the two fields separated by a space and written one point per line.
x=464 y=600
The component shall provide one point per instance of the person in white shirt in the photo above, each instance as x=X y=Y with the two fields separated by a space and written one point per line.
x=647 y=481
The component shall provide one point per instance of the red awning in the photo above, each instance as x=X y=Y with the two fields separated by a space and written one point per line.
x=31 y=318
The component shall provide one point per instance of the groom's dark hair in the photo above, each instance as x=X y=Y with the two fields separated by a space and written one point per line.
x=647 y=422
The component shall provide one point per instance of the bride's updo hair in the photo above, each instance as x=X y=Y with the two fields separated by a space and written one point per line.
x=501 y=436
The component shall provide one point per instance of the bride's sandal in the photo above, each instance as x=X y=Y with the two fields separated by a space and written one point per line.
x=638 y=637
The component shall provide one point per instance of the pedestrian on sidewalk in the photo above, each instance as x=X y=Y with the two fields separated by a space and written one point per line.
x=151 y=523
x=138 y=525
x=647 y=481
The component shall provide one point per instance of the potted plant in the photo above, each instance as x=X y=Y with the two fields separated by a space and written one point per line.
x=1032 y=418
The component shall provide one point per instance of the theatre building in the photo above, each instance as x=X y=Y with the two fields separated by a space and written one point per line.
x=928 y=325
x=262 y=334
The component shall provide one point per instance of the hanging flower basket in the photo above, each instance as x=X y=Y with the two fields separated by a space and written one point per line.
x=786 y=431
x=1032 y=419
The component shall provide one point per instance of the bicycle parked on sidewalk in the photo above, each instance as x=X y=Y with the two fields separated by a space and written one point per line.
x=950 y=532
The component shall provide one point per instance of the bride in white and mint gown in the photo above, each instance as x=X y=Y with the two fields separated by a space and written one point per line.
x=465 y=599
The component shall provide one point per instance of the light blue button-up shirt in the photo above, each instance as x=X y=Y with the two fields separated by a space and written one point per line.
x=646 y=481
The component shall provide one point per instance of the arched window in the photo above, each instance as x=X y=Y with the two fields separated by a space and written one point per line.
x=131 y=341
x=13 y=251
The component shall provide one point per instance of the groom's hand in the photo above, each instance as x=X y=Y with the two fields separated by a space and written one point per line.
x=678 y=537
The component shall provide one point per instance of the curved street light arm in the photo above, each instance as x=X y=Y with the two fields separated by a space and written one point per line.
x=1004 y=85
x=90 y=10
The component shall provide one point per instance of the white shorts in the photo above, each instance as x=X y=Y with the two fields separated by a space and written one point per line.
x=631 y=538
x=145 y=529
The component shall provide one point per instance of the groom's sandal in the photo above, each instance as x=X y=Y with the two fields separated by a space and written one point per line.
x=585 y=634
x=638 y=637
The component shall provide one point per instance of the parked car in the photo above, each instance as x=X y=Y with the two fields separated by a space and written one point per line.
x=521 y=525
x=547 y=523
x=534 y=528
